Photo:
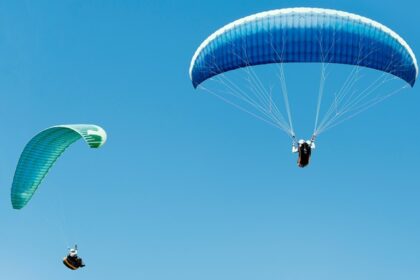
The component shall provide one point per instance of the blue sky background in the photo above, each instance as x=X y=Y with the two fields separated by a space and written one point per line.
x=188 y=187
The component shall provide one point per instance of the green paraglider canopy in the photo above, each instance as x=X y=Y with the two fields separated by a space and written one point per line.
x=41 y=153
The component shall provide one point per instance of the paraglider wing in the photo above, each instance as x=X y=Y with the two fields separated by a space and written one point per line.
x=303 y=35
x=42 y=151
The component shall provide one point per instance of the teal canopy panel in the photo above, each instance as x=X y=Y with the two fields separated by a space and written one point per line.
x=41 y=153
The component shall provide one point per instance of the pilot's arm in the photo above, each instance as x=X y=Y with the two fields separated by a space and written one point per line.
x=311 y=144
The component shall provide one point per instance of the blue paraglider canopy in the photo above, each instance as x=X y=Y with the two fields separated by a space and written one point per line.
x=304 y=35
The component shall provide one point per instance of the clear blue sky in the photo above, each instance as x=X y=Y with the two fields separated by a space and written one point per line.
x=187 y=187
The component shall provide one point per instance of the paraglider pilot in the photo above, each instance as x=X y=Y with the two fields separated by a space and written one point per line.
x=304 y=148
x=72 y=260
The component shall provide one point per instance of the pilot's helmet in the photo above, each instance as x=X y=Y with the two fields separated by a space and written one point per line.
x=301 y=141
x=73 y=252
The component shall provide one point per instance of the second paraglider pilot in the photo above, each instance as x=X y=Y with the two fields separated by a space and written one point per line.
x=72 y=260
